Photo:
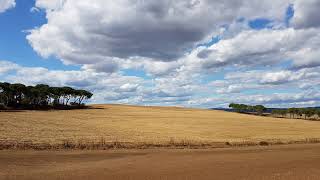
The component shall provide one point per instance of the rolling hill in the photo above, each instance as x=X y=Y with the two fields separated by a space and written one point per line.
x=134 y=124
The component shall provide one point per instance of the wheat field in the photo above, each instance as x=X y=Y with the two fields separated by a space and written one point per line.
x=123 y=123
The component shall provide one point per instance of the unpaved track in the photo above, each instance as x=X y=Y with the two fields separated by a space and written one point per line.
x=292 y=162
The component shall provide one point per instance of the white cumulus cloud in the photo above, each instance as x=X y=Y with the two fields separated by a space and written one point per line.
x=6 y=4
x=88 y=31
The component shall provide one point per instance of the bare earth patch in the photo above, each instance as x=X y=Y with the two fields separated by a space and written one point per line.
x=286 y=162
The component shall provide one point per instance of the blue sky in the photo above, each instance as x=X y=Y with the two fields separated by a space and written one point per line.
x=265 y=54
x=14 y=46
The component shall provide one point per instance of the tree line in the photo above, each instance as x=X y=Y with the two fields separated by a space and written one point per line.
x=243 y=108
x=306 y=113
x=41 y=96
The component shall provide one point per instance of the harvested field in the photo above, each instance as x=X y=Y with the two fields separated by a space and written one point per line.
x=114 y=125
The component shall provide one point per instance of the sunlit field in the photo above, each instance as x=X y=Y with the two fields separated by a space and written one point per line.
x=119 y=123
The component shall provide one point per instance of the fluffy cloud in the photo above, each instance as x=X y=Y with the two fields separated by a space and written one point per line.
x=263 y=47
x=6 y=4
x=6 y=67
x=179 y=89
x=93 y=81
x=171 y=42
x=107 y=87
x=152 y=33
x=50 y=5
x=303 y=99
x=278 y=98
x=86 y=32
x=272 y=78
x=282 y=77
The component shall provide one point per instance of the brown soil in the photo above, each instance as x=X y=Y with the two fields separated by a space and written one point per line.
x=294 y=162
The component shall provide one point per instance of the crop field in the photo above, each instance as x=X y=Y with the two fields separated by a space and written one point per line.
x=153 y=125
x=152 y=142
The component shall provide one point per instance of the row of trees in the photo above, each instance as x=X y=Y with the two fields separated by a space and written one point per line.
x=306 y=113
x=41 y=95
x=243 y=108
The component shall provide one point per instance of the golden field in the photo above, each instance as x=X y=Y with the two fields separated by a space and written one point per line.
x=123 y=123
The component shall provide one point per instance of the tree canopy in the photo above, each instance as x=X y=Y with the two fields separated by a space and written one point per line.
x=41 y=95
x=301 y=113
x=306 y=113
x=260 y=109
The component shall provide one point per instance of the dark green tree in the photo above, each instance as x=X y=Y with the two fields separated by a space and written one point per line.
x=260 y=109
x=39 y=96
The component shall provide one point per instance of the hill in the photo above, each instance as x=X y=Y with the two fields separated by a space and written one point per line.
x=156 y=125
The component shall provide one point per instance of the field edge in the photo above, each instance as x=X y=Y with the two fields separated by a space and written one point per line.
x=172 y=144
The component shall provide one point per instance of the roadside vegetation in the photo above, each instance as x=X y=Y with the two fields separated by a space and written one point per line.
x=293 y=113
x=41 y=96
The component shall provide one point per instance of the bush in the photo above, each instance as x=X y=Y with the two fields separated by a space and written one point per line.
x=263 y=143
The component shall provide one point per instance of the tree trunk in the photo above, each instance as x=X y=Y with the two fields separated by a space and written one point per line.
x=67 y=101
x=81 y=99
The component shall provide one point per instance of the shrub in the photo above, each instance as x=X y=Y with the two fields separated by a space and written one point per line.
x=263 y=143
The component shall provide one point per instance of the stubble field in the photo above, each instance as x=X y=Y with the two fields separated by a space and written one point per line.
x=153 y=125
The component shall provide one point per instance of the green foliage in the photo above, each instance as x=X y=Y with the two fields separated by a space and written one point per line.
x=309 y=112
x=41 y=95
x=306 y=113
x=260 y=109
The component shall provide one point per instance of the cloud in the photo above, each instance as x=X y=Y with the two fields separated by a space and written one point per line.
x=107 y=87
x=307 y=57
x=264 y=47
x=282 y=77
x=306 y=14
x=96 y=82
x=177 y=89
x=269 y=86
x=272 y=77
x=128 y=87
x=107 y=67
x=6 y=66
x=162 y=30
x=159 y=68
x=181 y=46
x=282 y=98
x=303 y=99
x=50 y=5
x=6 y=4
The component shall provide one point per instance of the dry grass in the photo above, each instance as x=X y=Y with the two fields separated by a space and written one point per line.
x=131 y=126
x=172 y=144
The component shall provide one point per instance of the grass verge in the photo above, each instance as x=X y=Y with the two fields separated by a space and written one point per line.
x=171 y=144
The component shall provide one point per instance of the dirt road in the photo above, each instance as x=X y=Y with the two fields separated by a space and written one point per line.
x=294 y=162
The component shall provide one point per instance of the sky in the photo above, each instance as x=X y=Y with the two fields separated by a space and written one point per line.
x=190 y=53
